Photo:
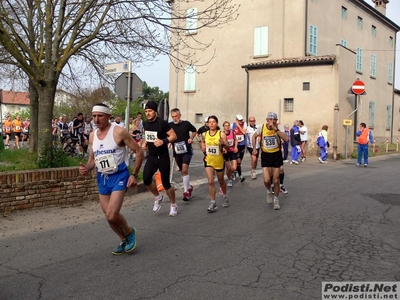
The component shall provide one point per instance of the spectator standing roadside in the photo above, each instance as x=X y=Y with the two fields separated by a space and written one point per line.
x=136 y=132
x=286 y=143
x=87 y=129
x=108 y=153
x=130 y=123
x=71 y=126
x=64 y=129
x=303 y=137
x=295 y=141
x=139 y=116
x=158 y=133
x=54 y=131
x=365 y=136
x=77 y=131
x=118 y=121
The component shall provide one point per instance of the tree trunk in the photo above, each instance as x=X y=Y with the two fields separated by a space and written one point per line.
x=46 y=103
x=34 y=116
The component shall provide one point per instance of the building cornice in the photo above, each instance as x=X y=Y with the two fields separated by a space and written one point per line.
x=377 y=14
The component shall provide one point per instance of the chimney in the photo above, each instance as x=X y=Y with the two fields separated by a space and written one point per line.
x=380 y=5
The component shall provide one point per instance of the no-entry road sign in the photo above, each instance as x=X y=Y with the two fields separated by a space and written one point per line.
x=358 y=87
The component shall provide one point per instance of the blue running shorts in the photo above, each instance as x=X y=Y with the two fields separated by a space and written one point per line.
x=109 y=183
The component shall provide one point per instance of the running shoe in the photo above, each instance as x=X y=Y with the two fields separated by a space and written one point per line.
x=253 y=174
x=157 y=203
x=357 y=165
x=270 y=198
x=294 y=162
x=234 y=175
x=120 y=249
x=320 y=160
x=285 y=161
x=242 y=178
x=173 y=212
x=225 y=202
x=190 y=191
x=365 y=165
x=131 y=241
x=303 y=159
x=230 y=183
x=283 y=190
x=276 y=204
x=186 y=196
x=212 y=207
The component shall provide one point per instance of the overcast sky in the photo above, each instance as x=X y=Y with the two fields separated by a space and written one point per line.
x=157 y=74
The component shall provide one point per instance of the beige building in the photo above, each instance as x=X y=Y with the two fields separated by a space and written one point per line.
x=298 y=58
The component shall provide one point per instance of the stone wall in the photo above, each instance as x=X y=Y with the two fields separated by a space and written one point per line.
x=45 y=187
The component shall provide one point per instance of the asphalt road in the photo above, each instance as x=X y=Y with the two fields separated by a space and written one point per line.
x=338 y=223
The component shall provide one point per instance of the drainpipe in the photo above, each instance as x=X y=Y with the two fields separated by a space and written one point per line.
x=336 y=109
x=394 y=80
x=247 y=93
x=306 y=30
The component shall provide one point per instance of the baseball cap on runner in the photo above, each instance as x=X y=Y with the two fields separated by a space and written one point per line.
x=239 y=117
x=206 y=119
x=272 y=115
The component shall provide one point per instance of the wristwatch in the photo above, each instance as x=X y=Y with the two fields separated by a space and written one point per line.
x=135 y=175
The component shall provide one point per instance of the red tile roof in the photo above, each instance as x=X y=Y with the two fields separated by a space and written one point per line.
x=17 y=98
x=286 y=62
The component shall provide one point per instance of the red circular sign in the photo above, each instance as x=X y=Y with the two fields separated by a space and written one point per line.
x=358 y=87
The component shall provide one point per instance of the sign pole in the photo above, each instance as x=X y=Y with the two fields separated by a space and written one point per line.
x=128 y=93
x=347 y=135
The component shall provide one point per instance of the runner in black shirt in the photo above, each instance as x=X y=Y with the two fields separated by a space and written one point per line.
x=158 y=134
x=183 y=150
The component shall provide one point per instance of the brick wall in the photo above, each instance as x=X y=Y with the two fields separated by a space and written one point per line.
x=45 y=187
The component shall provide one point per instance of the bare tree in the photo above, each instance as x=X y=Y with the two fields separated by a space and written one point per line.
x=49 y=38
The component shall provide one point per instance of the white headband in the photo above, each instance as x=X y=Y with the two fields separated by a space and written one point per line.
x=103 y=109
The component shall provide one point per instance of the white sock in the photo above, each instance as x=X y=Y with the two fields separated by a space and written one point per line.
x=159 y=197
x=186 y=183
